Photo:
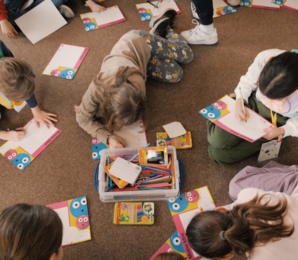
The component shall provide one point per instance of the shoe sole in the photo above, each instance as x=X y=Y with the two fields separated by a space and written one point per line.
x=211 y=44
x=153 y=30
x=155 y=19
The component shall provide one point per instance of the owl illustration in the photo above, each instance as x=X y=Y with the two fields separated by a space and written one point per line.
x=145 y=16
x=11 y=154
x=78 y=207
x=192 y=196
x=245 y=3
x=220 y=105
x=82 y=222
x=229 y=9
x=96 y=148
x=176 y=243
x=277 y=2
x=21 y=160
x=90 y=26
x=86 y=20
x=67 y=74
x=210 y=112
x=179 y=204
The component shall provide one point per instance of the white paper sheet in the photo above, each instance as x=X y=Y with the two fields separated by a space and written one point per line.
x=265 y=4
x=33 y=140
x=41 y=21
x=254 y=126
x=291 y=4
x=174 y=129
x=131 y=136
x=66 y=56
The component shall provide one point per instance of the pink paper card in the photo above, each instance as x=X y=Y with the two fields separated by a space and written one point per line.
x=222 y=113
x=66 y=61
x=266 y=4
x=22 y=153
x=75 y=220
x=95 y=20
x=291 y=4
x=221 y=7
x=184 y=208
x=173 y=244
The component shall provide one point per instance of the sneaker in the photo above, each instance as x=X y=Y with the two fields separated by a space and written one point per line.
x=194 y=11
x=66 y=11
x=198 y=37
x=160 y=27
x=169 y=12
x=233 y=2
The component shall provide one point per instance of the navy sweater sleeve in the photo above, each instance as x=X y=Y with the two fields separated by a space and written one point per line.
x=32 y=102
x=4 y=50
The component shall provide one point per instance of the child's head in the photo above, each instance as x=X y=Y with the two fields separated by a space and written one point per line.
x=125 y=105
x=29 y=233
x=279 y=77
x=217 y=234
x=16 y=79
x=169 y=256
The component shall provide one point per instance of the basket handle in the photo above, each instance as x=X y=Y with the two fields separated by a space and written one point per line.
x=96 y=177
x=182 y=174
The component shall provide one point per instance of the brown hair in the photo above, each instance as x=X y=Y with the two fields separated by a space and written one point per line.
x=169 y=256
x=29 y=232
x=247 y=225
x=16 y=79
x=124 y=105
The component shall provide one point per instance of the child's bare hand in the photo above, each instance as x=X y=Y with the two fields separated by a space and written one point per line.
x=7 y=29
x=273 y=132
x=239 y=114
x=76 y=108
x=95 y=7
x=115 y=144
x=43 y=117
x=16 y=136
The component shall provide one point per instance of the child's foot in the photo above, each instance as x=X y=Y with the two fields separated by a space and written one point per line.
x=233 y=2
x=170 y=13
x=198 y=37
x=160 y=27
x=194 y=11
x=66 y=11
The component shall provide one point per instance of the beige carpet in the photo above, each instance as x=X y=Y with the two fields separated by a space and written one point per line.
x=65 y=169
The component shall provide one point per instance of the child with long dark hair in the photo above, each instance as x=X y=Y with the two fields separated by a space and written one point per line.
x=269 y=88
x=262 y=225
x=30 y=232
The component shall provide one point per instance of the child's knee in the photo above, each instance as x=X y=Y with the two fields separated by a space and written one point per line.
x=220 y=156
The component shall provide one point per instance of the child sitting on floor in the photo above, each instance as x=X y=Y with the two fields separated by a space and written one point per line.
x=30 y=232
x=17 y=84
x=115 y=97
x=262 y=225
x=269 y=88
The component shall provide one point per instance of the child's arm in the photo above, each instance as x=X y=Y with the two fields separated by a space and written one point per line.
x=40 y=116
x=13 y=136
x=95 y=7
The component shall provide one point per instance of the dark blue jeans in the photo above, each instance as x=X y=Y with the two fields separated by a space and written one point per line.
x=204 y=10
x=14 y=10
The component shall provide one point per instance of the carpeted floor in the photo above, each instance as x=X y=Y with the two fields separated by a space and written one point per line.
x=65 y=169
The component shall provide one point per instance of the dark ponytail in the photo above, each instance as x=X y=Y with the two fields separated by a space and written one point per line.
x=279 y=77
x=245 y=226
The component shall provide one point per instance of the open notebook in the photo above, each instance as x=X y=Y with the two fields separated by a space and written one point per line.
x=95 y=20
x=22 y=153
x=75 y=220
x=130 y=135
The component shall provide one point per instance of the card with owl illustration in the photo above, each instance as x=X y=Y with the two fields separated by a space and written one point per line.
x=22 y=153
x=222 y=113
x=66 y=61
x=96 y=20
x=75 y=220
x=183 y=209
x=266 y=4
x=269 y=150
x=221 y=7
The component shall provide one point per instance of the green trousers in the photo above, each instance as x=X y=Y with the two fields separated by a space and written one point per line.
x=226 y=148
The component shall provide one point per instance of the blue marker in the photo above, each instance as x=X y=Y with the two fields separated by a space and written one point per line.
x=137 y=154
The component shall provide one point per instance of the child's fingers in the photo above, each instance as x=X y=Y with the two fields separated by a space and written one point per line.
x=36 y=123
x=52 y=119
x=49 y=114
